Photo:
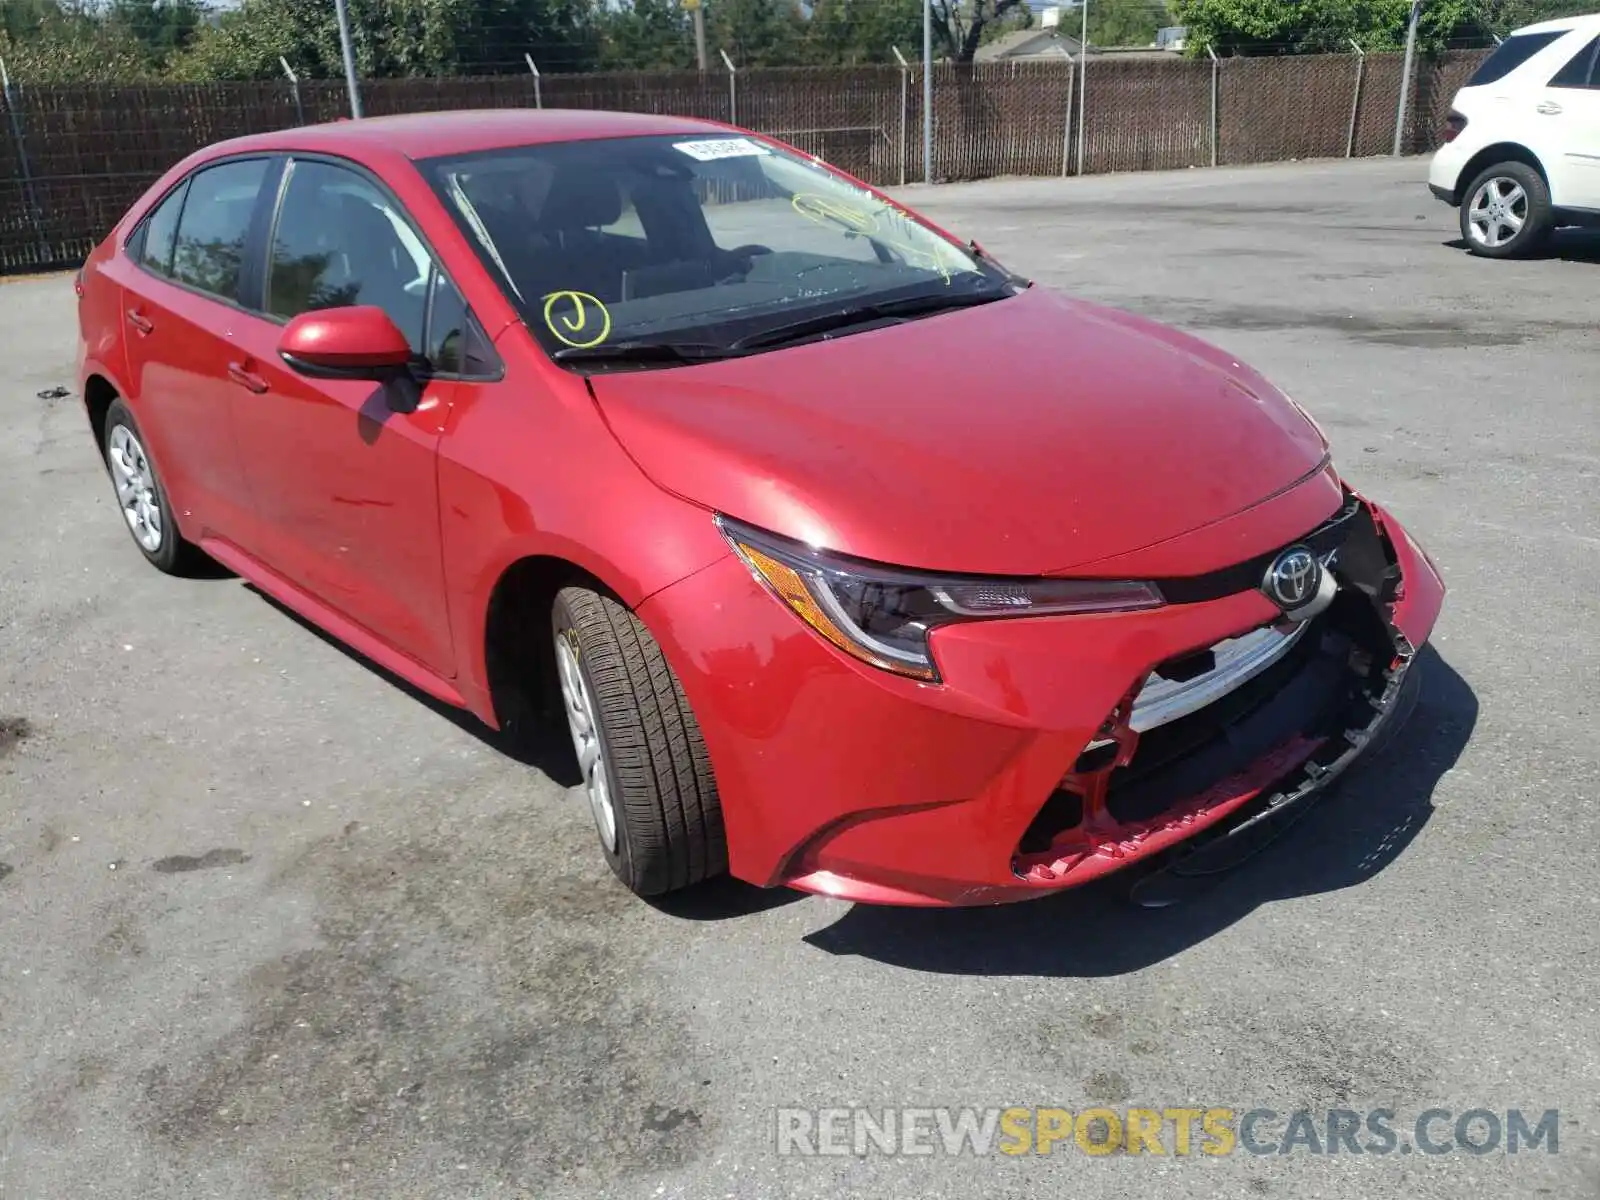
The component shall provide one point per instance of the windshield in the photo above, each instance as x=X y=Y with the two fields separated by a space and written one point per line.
x=691 y=240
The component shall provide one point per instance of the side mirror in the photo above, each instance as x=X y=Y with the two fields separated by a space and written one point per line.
x=358 y=342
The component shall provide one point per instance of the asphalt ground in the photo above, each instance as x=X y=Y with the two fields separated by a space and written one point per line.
x=271 y=925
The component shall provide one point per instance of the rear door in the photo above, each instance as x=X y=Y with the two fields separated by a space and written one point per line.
x=343 y=472
x=180 y=284
x=1570 y=104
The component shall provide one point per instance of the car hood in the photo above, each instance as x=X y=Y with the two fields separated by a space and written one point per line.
x=1034 y=435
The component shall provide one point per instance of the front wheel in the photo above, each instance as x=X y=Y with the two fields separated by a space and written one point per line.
x=1505 y=211
x=643 y=760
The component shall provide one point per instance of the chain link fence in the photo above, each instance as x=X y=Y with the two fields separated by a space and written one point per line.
x=72 y=158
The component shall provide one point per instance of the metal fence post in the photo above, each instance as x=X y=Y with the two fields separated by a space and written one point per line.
x=1216 y=68
x=538 y=95
x=1355 y=99
x=905 y=99
x=733 y=88
x=1066 y=117
x=347 y=49
x=294 y=90
x=1405 y=76
x=30 y=198
x=1083 y=79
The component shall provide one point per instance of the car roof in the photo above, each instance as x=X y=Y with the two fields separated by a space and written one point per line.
x=1588 y=22
x=463 y=131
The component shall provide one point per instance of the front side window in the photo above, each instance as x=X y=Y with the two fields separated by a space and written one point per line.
x=457 y=344
x=691 y=239
x=1581 y=70
x=340 y=241
x=160 y=234
x=209 y=248
x=1510 y=55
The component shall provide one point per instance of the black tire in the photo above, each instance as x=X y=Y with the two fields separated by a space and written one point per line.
x=668 y=818
x=1537 y=220
x=174 y=554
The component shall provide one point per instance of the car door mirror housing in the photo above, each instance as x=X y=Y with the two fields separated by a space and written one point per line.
x=357 y=342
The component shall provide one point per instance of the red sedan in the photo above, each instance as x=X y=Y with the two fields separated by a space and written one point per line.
x=852 y=560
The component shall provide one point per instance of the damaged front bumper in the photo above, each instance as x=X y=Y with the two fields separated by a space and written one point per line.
x=1058 y=750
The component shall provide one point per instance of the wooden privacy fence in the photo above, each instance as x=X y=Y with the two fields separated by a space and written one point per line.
x=72 y=158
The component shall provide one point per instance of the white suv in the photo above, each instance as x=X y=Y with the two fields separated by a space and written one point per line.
x=1521 y=153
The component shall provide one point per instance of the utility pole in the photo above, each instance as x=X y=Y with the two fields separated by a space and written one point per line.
x=1405 y=76
x=927 y=91
x=698 y=9
x=349 y=58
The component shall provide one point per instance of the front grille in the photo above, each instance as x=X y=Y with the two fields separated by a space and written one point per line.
x=1189 y=755
x=1246 y=576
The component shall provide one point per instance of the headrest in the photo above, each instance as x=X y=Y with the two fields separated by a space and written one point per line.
x=581 y=199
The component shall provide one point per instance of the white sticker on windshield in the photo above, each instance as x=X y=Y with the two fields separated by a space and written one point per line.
x=715 y=148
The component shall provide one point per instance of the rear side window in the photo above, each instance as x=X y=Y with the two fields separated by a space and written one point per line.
x=1580 y=71
x=215 y=222
x=160 y=233
x=1511 y=54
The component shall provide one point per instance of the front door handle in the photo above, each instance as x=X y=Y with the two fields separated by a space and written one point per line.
x=248 y=380
x=1548 y=108
x=140 y=322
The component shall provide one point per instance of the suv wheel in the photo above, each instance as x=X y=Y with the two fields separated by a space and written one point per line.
x=1505 y=211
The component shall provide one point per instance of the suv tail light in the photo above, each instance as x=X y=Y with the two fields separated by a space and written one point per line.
x=77 y=283
x=1453 y=124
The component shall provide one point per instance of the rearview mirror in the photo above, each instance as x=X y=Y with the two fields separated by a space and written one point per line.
x=357 y=342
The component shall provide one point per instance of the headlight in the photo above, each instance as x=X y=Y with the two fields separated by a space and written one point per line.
x=883 y=616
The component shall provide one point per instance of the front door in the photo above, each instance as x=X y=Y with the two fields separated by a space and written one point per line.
x=344 y=477
x=1570 y=107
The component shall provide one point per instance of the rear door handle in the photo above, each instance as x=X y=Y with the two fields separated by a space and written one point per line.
x=140 y=322
x=1548 y=108
x=248 y=380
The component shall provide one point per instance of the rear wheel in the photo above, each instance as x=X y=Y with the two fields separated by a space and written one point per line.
x=644 y=763
x=1505 y=211
x=142 y=499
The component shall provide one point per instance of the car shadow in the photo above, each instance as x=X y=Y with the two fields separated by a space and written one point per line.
x=1568 y=245
x=532 y=739
x=1356 y=830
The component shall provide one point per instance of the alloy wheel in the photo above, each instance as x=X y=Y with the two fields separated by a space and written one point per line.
x=136 y=488
x=1497 y=212
x=583 y=720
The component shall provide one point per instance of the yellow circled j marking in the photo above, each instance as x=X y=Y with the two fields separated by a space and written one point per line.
x=819 y=209
x=564 y=327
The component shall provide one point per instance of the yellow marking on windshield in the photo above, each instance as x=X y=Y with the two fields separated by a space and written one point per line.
x=821 y=210
x=587 y=312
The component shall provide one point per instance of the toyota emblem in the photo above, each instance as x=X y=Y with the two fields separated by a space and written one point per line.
x=1293 y=579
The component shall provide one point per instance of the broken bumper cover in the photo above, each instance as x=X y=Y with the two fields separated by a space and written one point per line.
x=1026 y=771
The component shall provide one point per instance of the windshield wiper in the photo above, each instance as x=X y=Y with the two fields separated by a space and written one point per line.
x=861 y=314
x=644 y=352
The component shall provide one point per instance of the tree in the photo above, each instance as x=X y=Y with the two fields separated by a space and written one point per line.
x=1320 y=26
x=862 y=31
x=756 y=33
x=163 y=27
x=648 y=35
x=43 y=41
x=960 y=25
x=1124 y=22
x=393 y=38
